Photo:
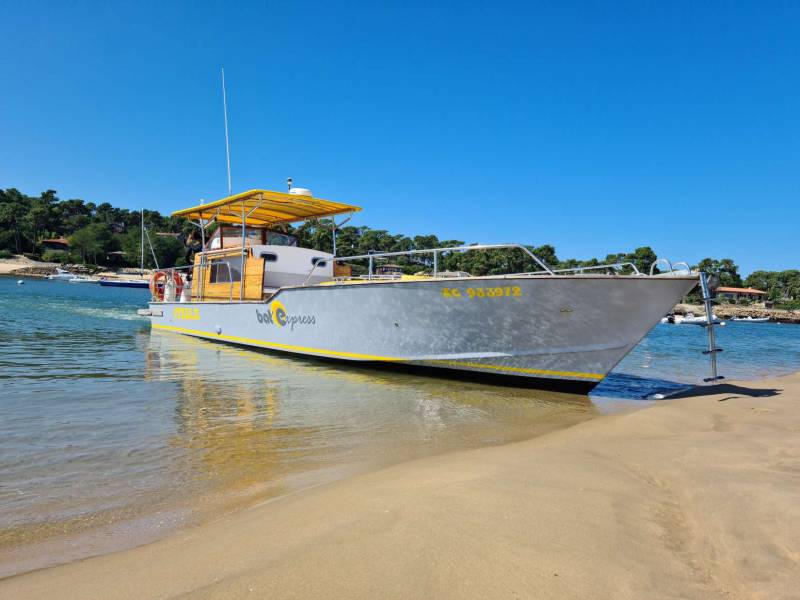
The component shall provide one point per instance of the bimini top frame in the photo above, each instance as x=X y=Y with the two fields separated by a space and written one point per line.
x=264 y=208
x=261 y=208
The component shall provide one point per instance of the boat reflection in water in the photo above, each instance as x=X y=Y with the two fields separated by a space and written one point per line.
x=202 y=428
x=254 y=425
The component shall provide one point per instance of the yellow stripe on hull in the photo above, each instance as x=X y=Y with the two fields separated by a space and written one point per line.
x=357 y=356
x=276 y=345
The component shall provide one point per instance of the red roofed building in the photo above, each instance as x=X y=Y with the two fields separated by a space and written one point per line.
x=733 y=294
x=57 y=244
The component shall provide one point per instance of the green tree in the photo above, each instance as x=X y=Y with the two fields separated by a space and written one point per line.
x=643 y=258
x=131 y=245
x=93 y=242
x=104 y=213
x=40 y=215
x=169 y=250
x=71 y=215
x=13 y=208
x=779 y=285
x=725 y=269
x=547 y=254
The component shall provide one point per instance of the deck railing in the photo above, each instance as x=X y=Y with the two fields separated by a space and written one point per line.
x=606 y=266
x=545 y=270
x=199 y=270
x=437 y=251
x=196 y=284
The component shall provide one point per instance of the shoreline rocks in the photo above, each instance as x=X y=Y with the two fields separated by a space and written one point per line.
x=728 y=311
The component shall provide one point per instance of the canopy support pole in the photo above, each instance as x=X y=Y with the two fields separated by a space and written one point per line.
x=244 y=234
x=201 y=272
x=246 y=215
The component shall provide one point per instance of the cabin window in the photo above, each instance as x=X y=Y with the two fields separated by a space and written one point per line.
x=318 y=261
x=226 y=270
x=229 y=237
x=269 y=256
x=275 y=238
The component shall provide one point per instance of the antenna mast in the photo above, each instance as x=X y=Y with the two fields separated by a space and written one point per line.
x=227 y=144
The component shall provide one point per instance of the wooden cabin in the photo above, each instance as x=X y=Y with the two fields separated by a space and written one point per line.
x=245 y=258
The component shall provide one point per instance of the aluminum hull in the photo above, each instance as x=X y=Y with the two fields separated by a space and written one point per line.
x=555 y=331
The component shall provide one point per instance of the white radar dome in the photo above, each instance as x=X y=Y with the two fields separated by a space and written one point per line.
x=300 y=192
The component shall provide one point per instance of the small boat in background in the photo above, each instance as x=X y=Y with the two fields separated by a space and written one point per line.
x=673 y=319
x=62 y=274
x=749 y=319
x=127 y=283
x=690 y=319
x=83 y=280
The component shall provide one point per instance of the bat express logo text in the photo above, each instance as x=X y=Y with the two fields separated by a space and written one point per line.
x=276 y=314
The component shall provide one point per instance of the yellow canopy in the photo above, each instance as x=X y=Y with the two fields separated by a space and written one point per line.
x=265 y=208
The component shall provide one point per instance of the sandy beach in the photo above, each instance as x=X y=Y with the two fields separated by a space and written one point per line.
x=25 y=267
x=9 y=265
x=697 y=497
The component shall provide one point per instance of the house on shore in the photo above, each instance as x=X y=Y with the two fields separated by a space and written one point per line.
x=58 y=244
x=734 y=294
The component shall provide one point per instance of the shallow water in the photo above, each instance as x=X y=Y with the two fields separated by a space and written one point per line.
x=112 y=436
x=671 y=356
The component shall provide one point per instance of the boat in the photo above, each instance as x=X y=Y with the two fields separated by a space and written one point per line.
x=749 y=319
x=79 y=279
x=62 y=275
x=252 y=285
x=127 y=283
x=691 y=319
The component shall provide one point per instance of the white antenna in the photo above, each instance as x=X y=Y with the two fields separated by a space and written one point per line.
x=227 y=144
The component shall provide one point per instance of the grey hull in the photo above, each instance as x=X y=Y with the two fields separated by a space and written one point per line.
x=571 y=329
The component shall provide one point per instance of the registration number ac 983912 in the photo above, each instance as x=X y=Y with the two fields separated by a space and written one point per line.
x=482 y=292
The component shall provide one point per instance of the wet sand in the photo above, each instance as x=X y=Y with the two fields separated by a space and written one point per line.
x=697 y=497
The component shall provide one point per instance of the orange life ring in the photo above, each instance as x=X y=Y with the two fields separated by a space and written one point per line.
x=158 y=283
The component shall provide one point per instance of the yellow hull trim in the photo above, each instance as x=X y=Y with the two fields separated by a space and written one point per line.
x=274 y=345
x=336 y=353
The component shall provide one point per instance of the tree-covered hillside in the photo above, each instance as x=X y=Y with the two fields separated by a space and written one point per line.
x=98 y=233
x=102 y=234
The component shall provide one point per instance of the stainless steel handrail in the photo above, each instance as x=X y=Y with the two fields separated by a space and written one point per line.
x=682 y=263
x=546 y=270
x=618 y=265
x=660 y=260
x=674 y=268
x=435 y=251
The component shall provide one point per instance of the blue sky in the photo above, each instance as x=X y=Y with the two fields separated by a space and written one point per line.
x=596 y=127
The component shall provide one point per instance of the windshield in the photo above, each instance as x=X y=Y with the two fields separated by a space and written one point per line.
x=227 y=237
x=275 y=238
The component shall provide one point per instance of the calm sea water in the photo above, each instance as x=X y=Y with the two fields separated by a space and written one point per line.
x=112 y=435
